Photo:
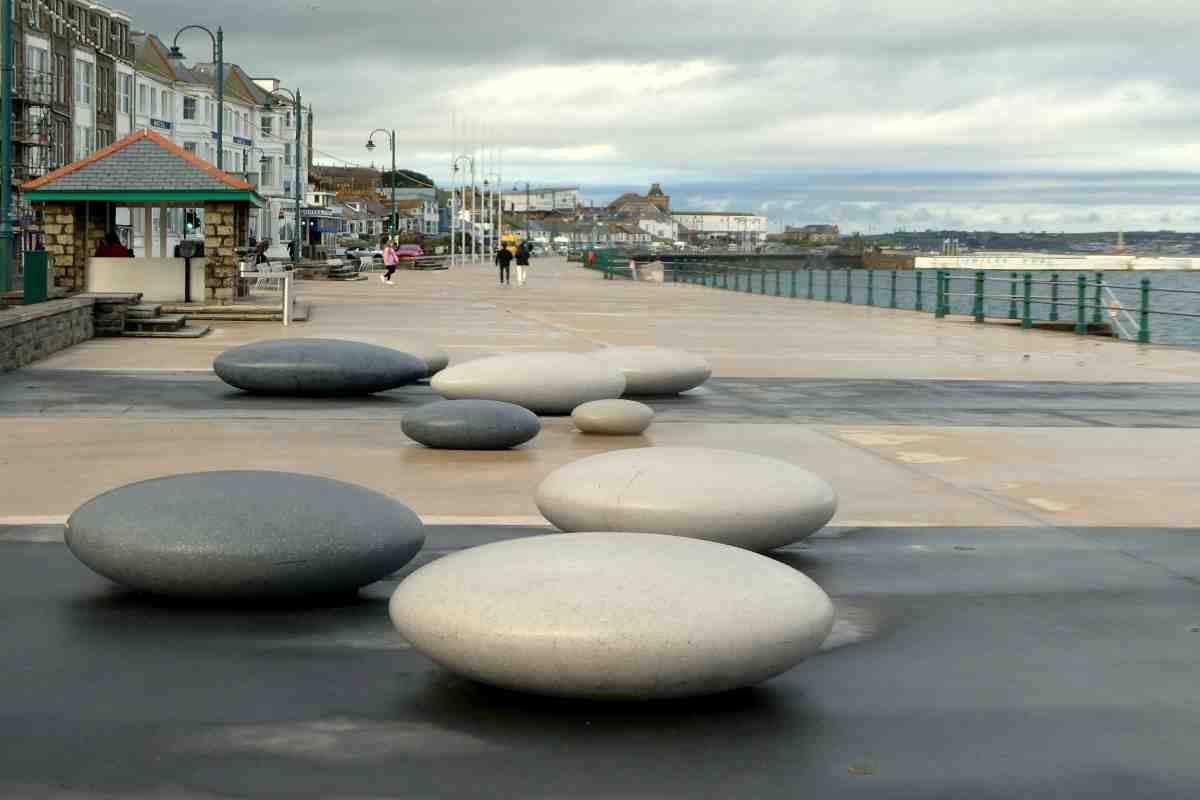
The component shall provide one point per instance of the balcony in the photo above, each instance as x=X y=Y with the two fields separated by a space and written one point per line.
x=33 y=86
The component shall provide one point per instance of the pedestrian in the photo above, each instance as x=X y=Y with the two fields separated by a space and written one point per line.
x=111 y=247
x=260 y=252
x=504 y=257
x=292 y=249
x=390 y=260
x=522 y=264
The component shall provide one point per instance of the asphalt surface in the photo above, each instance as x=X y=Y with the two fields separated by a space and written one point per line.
x=966 y=662
x=201 y=395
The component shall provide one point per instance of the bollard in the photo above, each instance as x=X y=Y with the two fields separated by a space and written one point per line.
x=892 y=304
x=1081 y=305
x=919 y=305
x=939 y=309
x=849 y=285
x=1027 y=302
x=762 y=281
x=1097 y=316
x=811 y=274
x=870 y=287
x=1054 y=297
x=793 y=284
x=1012 y=297
x=1144 y=313
x=980 y=281
x=829 y=284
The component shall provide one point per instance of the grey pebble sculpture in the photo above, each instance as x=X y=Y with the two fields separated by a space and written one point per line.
x=317 y=367
x=471 y=425
x=244 y=534
x=612 y=616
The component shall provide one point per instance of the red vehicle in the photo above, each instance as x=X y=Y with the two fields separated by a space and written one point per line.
x=409 y=251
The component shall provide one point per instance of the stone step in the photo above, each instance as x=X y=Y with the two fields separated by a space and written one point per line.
x=185 y=332
x=171 y=322
x=143 y=311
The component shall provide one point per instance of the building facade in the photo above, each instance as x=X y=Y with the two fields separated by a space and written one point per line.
x=549 y=198
x=723 y=225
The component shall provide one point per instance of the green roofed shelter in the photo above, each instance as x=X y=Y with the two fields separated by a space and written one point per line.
x=128 y=189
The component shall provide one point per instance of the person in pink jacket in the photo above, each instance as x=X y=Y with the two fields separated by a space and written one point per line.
x=390 y=260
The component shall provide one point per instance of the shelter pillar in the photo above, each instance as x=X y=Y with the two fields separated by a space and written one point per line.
x=219 y=243
x=58 y=237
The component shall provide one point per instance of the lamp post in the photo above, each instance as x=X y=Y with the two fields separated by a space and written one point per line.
x=218 y=40
x=526 y=208
x=490 y=195
x=395 y=222
x=6 y=227
x=296 y=189
x=463 y=198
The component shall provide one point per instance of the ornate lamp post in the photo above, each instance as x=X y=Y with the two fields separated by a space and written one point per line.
x=297 y=191
x=218 y=40
x=395 y=224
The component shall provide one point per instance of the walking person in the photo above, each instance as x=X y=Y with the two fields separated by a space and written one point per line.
x=390 y=260
x=522 y=263
x=504 y=258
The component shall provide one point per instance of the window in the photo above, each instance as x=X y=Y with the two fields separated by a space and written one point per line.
x=268 y=172
x=85 y=72
x=104 y=89
x=126 y=94
x=60 y=25
x=153 y=102
x=287 y=154
x=287 y=120
x=168 y=105
x=267 y=122
x=35 y=14
x=60 y=144
x=208 y=111
x=60 y=79
x=189 y=108
x=190 y=146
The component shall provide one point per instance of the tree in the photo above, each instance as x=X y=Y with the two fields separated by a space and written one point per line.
x=405 y=179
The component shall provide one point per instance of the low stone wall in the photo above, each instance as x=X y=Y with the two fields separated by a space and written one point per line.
x=30 y=333
x=110 y=310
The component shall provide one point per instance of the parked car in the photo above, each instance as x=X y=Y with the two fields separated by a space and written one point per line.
x=409 y=251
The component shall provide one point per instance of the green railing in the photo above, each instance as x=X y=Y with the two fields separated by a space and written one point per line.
x=1087 y=304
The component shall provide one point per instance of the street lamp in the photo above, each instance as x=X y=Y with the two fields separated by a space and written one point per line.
x=6 y=150
x=526 y=208
x=218 y=40
x=391 y=144
x=463 y=195
x=296 y=190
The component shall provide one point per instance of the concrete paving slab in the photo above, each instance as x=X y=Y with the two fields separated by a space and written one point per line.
x=964 y=663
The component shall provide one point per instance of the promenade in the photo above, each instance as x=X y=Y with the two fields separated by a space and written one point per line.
x=1014 y=561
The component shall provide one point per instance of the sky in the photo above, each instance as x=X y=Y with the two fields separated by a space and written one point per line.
x=1053 y=115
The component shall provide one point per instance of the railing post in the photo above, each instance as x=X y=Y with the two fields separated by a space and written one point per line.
x=762 y=281
x=939 y=310
x=724 y=279
x=749 y=281
x=919 y=305
x=892 y=304
x=1027 y=302
x=1012 y=297
x=1054 y=297
x=1097 y=316
x=870 y=287
x=829 y=284
x=980 y=282
x=1081 y=304
x=793 y=292
x=811 y=277
x=849 y=285
x=1144 y=313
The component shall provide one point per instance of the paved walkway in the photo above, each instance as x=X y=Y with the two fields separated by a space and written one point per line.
x=914 y=420
x=1015 y=564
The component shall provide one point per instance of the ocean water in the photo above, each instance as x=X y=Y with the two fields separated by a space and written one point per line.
x=1170 y=293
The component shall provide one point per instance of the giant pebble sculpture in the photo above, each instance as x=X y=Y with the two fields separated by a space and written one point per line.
x=612 y=616
x=613 y=417
x=471 y=425
x=317 y=367
x=543 y=382
x=244 y=534
x=655 y=370
x=736 y=498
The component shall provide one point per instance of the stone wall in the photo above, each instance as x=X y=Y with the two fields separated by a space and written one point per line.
x=110 y=311
x=220 y=239
x=30 y=333
x=58 y=234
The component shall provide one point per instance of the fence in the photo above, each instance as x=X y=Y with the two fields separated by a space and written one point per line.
x=1085 y=303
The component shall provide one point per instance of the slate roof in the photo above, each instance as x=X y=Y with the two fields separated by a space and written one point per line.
x=141 y=162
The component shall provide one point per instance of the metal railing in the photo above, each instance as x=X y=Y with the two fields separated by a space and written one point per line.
x=1087 y=303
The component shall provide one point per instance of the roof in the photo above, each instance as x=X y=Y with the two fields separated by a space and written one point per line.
x=151 y=55
x=142 y=166
x=713 y=214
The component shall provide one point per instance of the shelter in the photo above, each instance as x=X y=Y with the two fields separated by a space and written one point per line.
x=146 y=174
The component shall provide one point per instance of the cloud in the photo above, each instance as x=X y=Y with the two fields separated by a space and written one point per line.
x=1023 y=108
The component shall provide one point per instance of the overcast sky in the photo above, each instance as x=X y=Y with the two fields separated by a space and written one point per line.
x=1023 y=115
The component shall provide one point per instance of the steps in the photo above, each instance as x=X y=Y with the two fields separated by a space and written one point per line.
x=147 y=321
x=345 y=272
